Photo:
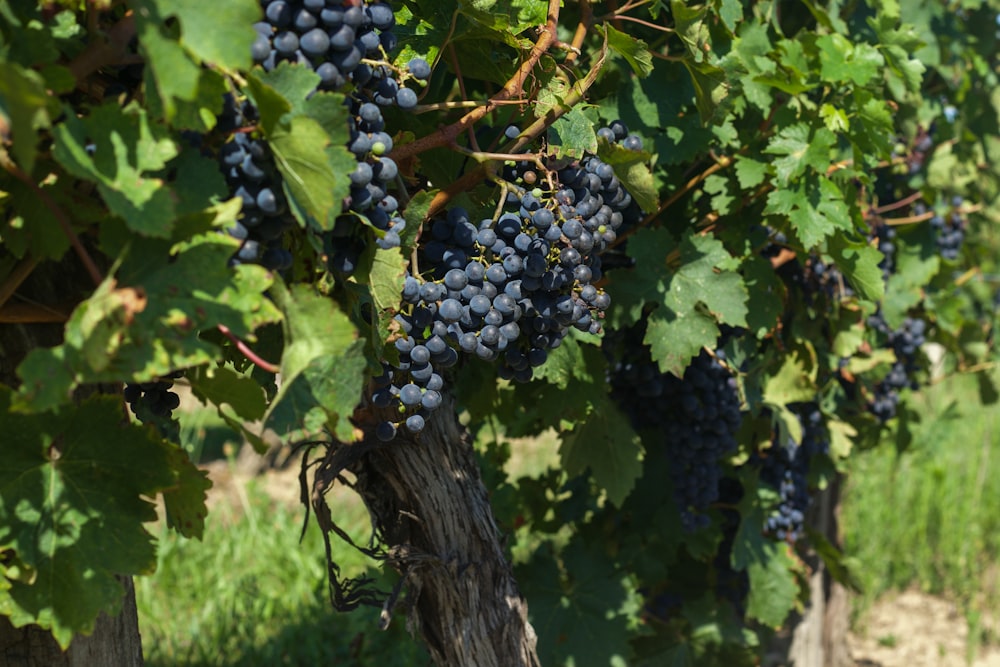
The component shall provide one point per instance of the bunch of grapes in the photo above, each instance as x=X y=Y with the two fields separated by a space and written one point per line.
x=505 y=289
x=345 y=43
x=949 y=229
x=251 y=175
x=697 y=417
x=785 y=467
x=905 y=343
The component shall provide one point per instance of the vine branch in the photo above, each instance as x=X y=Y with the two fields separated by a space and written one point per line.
x=447 y=135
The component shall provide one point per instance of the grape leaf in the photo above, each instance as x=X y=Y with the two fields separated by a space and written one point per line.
x=572 y=134
x=72 y=488
x=841 y=60
x=606 y=443
x=224 y=41
x=116 y=149
x=814 y=205
x=323 y=369
x=572 y=613
x=143 y=322
x=773 y=590
x=690 y=302
x=221 y=385
x=859 y=263
x=632 y=169
x=633 y=50
x=26 y=107
x=800 y=149
x=184 y=503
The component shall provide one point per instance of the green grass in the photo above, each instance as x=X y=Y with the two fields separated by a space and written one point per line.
x=251 y=594
x=928 y=518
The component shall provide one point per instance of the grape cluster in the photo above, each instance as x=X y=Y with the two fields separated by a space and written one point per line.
x=508 y=288
x=696 y=416
x=905 y=343
x=949 y=229
x=785 y=467
x=884 y=236
x=251 y=175
x=154 y=400
x=343 y=42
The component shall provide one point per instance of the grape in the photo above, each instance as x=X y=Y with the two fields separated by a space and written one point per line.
x=406 y=98
x=414 y=424
x=410 y=395
x=385 y=431
x=315 y=42
x=419 y=68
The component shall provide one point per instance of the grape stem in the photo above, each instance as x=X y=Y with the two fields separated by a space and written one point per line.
x=574 y=97
x=57 y=213
x=905 y=201
x=586 y=15
x=909 y=220
x=247 y=352
x=720 y=164
x=513 y=88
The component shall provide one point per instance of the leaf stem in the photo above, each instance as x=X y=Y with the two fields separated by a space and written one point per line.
x=247 y=352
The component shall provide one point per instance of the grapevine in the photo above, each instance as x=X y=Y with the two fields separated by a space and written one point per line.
x=707 y=250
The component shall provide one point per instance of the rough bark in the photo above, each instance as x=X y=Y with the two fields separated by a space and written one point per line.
x=115 y=641
x=818 y=636
x=431 y=512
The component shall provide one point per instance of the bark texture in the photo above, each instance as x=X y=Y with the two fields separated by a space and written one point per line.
x=431 y=512
x=818 y=636
x=115 y=641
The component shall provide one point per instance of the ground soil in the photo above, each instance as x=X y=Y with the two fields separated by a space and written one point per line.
x=913 y=629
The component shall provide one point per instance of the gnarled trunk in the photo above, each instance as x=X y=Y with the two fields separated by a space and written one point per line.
x=818 y=636
x=432 y=514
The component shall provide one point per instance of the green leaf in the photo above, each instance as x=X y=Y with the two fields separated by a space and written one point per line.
x=575 y=612
x=184 y=503
x=633 y=50
x=841 y=60
x=27 y=109
x=567 y=361
x=690 y=302
x=606 y=444
x=323 y=369
x=795 y=380
x=72 y=507
x=143 y=322
x=859 y=263
x=773 y=590
x=800 y=149
x=632 y=169
x=815 y=207
x=573 y=134
x=221 y=385
x=224 y=40
x=116 y=148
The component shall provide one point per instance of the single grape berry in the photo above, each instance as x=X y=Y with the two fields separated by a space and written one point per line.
x=419 y=68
